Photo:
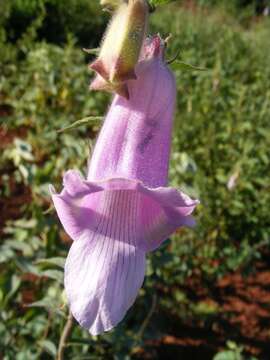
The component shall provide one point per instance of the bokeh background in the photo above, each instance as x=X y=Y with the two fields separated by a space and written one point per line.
x=207 y=290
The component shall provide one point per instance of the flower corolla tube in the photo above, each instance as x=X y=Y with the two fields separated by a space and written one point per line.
x=123 y=209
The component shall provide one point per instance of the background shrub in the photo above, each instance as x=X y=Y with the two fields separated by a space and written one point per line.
x=221 y=136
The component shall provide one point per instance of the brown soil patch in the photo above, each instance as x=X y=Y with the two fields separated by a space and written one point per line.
x=243 y=316
x=10 y=206
x=7 y=136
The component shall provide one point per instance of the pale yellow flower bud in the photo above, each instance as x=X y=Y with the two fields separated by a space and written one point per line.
x=121 y=46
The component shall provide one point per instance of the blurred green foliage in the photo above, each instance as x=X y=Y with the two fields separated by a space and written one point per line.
x=84 y=19
x=220 y=154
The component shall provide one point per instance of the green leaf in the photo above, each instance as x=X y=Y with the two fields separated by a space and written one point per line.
x=15 y=283
x=5 y=254
x=82 y=122
x=53 y=274
x=78 y=341
x=227 y=355
x=92 y=51
x=48 y=304
x=18 y=245
x=49 y=347
x=44 y=303
x=55 y=261
x=181 y=65
x=26 y=266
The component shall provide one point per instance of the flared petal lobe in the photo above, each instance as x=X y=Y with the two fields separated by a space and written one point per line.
x=156 y=212
x=114 y=223
x=135 y=139
x=107 y=265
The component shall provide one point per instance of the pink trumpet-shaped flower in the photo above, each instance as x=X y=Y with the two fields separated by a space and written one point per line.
x=124 y=209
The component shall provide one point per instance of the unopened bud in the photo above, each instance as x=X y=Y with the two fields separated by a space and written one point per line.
x=121 y=46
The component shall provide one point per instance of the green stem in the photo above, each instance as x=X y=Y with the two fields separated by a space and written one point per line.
x=64 y=337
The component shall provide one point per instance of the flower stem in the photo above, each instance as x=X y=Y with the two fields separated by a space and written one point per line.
x=148 y=317
x=64 y=337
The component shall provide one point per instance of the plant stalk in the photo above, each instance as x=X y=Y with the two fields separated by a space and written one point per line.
x=64 y=337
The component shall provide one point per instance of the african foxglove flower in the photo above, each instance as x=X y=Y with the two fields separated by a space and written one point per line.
x=123 y=209
x=121 y=48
